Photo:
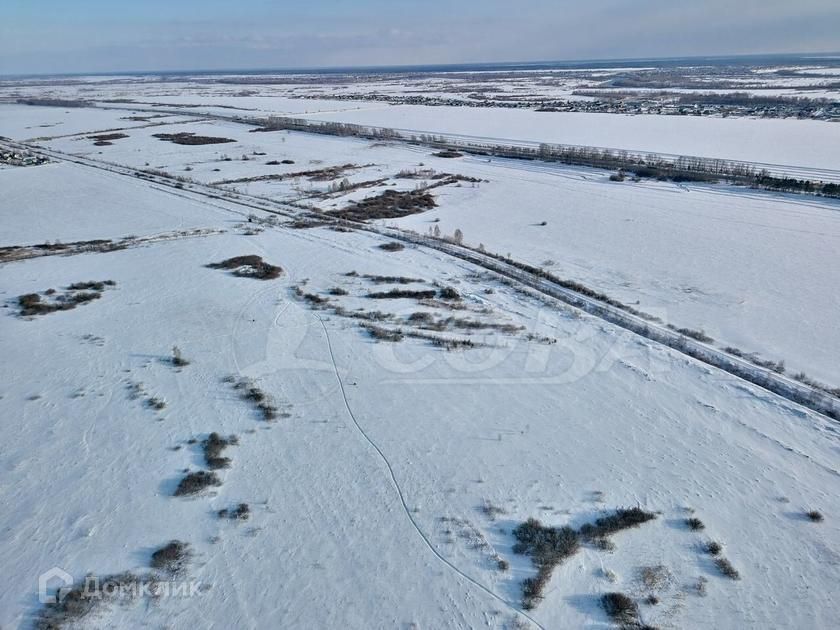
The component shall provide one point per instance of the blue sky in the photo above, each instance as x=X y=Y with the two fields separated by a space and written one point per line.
x=97 y=35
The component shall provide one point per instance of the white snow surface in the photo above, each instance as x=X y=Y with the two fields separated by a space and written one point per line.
x=65 y=202
x=384 y=441
x=751 y=269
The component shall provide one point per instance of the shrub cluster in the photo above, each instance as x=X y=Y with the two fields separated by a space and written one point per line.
x=394 y=294
x=76 y=294
x=389 y=279
x=391 y=204
x=171 y=558
x=262 y=401
x=249 y=267
x=213 y=447
x=187 y=138
x=550 y=546
x=239 y=513
x=196 y=482
x=621 y=609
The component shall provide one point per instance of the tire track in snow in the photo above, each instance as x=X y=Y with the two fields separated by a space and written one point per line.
x=399 y=490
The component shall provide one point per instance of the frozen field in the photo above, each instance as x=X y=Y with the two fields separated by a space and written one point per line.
x=64 y=202
x=22 y=122
x=563 y=432
x=423 y=408
x=750 y=269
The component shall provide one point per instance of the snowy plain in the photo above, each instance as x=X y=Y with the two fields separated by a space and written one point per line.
x=564 y=433
x=751 y=269
x=369 y=502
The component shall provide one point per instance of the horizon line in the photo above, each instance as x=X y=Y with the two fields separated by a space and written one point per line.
x=417 y=68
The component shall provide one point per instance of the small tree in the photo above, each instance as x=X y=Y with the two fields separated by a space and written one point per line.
x=458 y=236
x=178 y=359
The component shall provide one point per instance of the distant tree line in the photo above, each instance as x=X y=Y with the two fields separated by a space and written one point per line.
x=54 y=102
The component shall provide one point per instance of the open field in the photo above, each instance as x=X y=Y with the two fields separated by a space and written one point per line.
x=260 y=368
x=744 y=450
x=706 y=257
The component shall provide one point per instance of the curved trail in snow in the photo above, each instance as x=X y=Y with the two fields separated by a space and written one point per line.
x=405 y=507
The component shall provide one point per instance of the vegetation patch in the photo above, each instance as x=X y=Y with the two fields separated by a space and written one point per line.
x=312 y=298
x=177 y=359
x=390 y=279
x=449 y=293
x=239 y=513
x=171 y=558
x=697 y=335
x=196 y=482
x=187 y=138
x=384 y=334
x=19 y=252
x=431 y=174
x=319 y=175
x=621 y=609
x=391 y=204
x=262 y=402
x=714 y=548
x=213 y=447
x=550 y=546
x=75 y=604
x=655 y=578
x=471 y=324
x=726 y=568
x=137 y=390
x=621 y=520
x=752 y=357
x=249 y=267
x=33 y=304
x=395 y=294
x=107 y=139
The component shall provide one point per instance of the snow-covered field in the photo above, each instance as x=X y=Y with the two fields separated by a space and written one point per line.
x=22 y=122
x=751 y=269
x=786 y=142
x=366 y=99
x=386 y=493
x=64 y=202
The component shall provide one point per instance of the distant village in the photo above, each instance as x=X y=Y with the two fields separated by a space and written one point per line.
x=686 y=105
x=17 y=158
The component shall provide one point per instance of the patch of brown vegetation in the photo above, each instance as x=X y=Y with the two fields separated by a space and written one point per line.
x=107 y=139
x=391 y=204
x=21 y=252
x=250 y=266
x=318 y=175
x=189 y=138
x=33 y=304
